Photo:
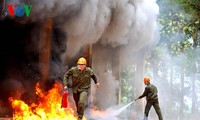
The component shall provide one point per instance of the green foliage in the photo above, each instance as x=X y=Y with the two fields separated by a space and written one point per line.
x=127 y=90
x=176 y=58
x=178 y=28
x=190 y=6
x=177 y=48
x=177 y=54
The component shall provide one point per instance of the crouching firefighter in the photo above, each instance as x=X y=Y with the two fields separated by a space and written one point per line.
x=150 y=93
x=80 y=84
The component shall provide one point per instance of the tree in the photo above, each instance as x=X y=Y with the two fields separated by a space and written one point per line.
x=192 y=7
x=180 y=35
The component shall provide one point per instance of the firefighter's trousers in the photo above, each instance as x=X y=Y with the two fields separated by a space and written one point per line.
x=80 y=100
x=156 y=106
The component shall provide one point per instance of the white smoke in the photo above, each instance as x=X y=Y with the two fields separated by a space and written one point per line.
x=88 y=26
x=112 y=22
x=108 y=91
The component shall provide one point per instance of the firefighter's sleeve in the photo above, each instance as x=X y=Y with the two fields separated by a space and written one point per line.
x=94 y=77
x=66 y=77
x=144 y=93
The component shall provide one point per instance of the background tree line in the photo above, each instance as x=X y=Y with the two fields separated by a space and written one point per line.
x=174 y=64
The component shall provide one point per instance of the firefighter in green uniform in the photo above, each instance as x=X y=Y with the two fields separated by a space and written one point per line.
x=80 y=84
x=152 y=99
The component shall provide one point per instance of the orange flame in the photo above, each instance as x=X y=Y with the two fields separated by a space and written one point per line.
x=48 y=106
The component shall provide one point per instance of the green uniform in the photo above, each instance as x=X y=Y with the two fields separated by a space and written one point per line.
x=80 y=84
x=152 y=100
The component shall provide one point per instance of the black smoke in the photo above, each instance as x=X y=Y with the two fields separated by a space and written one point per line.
x=19 y=60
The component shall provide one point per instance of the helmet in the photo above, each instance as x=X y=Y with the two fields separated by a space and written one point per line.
x=82 y=60
x=146 y=79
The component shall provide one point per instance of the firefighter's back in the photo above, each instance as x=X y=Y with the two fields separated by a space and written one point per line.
x=152 y=94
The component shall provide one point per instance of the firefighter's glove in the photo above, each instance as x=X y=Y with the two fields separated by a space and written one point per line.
x=136 y=99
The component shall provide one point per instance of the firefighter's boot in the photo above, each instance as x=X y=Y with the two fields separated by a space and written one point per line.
x=79 y=118
x=145 y=117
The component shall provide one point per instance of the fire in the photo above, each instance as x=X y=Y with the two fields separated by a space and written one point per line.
x=47 y=107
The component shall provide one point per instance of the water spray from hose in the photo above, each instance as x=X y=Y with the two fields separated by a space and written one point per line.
x=110 y=114
x=116 y=113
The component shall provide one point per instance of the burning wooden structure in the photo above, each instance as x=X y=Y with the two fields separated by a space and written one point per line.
x=27 y=52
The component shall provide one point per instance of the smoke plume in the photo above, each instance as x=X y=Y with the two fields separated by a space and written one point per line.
x=112 y=22
x=126 y=24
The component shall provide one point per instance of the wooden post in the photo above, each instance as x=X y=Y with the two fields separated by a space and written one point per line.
x=44 y=51
x=87 y=54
